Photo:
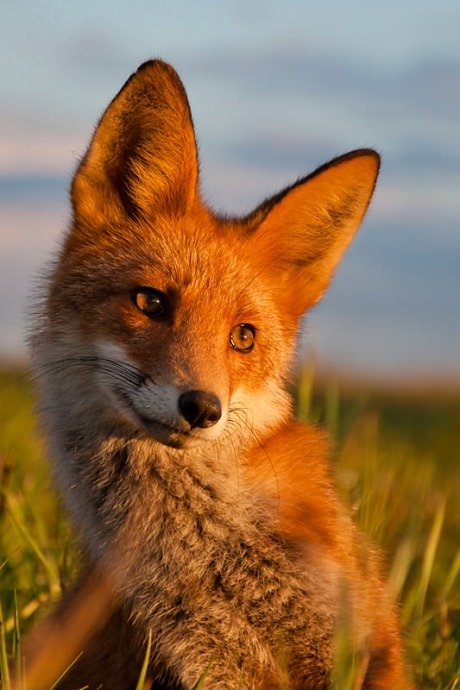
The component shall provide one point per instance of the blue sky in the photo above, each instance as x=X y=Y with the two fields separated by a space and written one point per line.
x=276 y=89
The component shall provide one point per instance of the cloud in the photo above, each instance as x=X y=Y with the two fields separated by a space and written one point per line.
x=29 y=237
x=411 y=108
x=30 y=147
x=376 y=345
x=25 y=190
x=425 y=83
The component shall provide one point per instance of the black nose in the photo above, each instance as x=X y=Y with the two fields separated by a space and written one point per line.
x=200 y=408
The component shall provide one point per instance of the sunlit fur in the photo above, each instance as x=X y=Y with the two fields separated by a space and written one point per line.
x=227 y=541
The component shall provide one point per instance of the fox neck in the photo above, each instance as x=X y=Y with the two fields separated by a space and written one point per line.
x=117 y=482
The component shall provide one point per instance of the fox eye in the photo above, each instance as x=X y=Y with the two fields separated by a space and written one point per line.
x=150 y=301
x=242 y=337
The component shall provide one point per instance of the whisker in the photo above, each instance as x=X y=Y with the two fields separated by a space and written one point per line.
x=130 y=369
x=242 y=414
x=121 y=371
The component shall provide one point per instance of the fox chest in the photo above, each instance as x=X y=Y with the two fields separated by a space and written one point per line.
x=198 y=552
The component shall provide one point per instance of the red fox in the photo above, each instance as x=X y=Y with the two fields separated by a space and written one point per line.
x=163 y=353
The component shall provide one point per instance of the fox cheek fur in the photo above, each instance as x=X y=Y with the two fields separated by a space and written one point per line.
x=163 y=351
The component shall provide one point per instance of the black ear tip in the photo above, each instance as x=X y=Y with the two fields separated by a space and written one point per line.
x=157 y=66
x=372 y=153
x=360 y=153
x=375 y=155
x=159 y=74
x=153 y=63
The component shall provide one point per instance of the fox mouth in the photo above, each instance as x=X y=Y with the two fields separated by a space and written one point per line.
x=168 y=435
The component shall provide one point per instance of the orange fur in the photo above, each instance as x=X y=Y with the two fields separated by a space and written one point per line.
x=211 y=512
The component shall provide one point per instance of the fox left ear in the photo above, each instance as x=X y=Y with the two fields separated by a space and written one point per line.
x=299 y=235
x=143 y=154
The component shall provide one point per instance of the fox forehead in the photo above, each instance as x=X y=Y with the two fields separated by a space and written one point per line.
x=191 y=253
x=193 y=257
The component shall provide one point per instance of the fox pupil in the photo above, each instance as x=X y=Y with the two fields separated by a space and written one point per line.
x=149 y=301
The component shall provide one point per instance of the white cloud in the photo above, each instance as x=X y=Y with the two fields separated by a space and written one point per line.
x=25 y=150
x=29 y=238
x=31 y=232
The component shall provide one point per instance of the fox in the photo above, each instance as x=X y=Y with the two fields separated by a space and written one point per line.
x=164 y=349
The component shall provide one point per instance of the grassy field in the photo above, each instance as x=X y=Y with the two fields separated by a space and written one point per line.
x=397 y=463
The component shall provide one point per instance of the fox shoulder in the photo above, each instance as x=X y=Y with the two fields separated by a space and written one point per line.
x=291 y=472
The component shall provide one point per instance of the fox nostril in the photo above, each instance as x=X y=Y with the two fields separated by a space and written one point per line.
x=200 y=409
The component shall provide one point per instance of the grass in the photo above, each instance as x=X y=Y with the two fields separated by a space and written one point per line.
x=397 y=464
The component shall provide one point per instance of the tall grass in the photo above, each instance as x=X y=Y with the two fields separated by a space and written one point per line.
x=396 y=459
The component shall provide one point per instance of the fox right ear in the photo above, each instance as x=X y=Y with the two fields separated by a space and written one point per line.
x=299 y=235
x=143 y=153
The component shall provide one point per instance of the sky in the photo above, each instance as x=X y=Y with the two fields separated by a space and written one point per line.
x=276 y=89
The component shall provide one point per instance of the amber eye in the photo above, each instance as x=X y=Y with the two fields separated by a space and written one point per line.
x=150 y=301
x=242 y=337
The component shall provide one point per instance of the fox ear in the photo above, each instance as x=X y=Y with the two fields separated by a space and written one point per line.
x=299 y=235
x=143 y=152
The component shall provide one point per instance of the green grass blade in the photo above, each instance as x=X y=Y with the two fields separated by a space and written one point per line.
x=332 y=409
x=429 y=556
x=305 y=391
x=17 y=638
x=66 y=670
x=4 y=671
x=400 y=568
x=200 y=683
x=51 y=570
x=452 y=575
x=143 y=674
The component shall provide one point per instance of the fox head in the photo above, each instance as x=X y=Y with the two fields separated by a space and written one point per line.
x=167 y=317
